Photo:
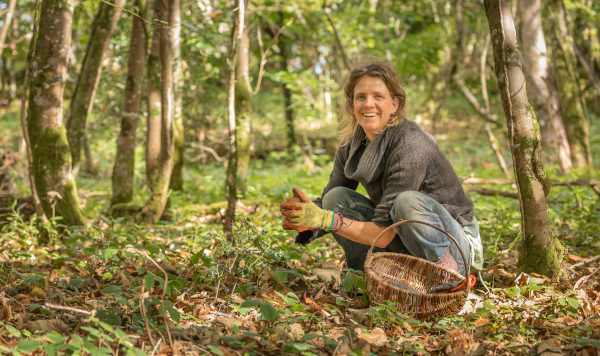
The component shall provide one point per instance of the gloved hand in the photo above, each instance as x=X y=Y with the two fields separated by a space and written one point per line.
x=308 y=236
x=305 y=215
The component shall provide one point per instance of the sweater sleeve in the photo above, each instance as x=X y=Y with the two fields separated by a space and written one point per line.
x=405 y=170
x=337 y=178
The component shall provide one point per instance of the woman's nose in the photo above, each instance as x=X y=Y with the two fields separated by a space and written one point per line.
x=369 y=101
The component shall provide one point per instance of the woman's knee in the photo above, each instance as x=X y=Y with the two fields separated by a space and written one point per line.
x=407 y=203
x=335 y=197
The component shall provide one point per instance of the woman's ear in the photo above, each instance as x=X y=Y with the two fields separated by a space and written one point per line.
x=396 y=102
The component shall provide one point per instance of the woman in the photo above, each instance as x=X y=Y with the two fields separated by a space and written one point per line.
x=405 y=174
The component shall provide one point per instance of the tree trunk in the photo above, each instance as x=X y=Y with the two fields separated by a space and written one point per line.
x=91 y=69
x=159 y=187
x=39 y=209
x=243 y=109
x=153 y=101
x=236 y=42
x=179 y=137
x=540 y=251
x=543 y=94
x=563 y=58
x=123 y=171
x=54 y=180
x=287 y=93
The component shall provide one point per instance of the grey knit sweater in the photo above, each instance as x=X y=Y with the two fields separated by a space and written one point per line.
x=402 y=158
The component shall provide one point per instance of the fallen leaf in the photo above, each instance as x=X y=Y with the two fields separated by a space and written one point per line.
x=186 y=348
x=48 y=326
x=376 y=337
x=296 y=331
x=548 y=348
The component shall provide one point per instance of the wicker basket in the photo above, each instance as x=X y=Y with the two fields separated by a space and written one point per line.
x=419 y=275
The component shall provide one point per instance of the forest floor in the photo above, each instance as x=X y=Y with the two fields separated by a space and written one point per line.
x=265 y=296
x=179 y=287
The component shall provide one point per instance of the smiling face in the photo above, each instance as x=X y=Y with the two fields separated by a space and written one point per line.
x=373 y=105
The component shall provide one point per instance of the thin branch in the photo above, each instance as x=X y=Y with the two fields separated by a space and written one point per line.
x=327 y=11
x=263 y=59
x=155 y=22
x=18 y=40
x=588 y=69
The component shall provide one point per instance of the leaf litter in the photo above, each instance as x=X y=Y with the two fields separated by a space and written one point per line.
x=261 y=298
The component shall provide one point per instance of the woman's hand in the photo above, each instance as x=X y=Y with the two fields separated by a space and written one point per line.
x=305 y=215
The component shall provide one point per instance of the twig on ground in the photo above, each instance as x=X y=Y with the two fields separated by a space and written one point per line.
x=162 y=298
x=71 y=309
x=583 y=279
x=156 y=347
x=143 y=312
x=586 y=261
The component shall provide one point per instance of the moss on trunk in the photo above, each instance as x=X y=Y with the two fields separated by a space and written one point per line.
x=539 y=243
x=565 y=69
x=91 y=68
x=178 y=138
x=51 y=159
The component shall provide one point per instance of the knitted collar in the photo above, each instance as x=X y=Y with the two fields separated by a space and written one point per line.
x=365 y=163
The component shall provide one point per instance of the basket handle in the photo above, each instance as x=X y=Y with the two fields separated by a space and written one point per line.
x=401 y=222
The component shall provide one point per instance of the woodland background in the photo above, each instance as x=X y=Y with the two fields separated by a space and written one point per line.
x=171 y=140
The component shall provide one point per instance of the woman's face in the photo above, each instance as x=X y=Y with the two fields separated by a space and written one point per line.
x=373 y=105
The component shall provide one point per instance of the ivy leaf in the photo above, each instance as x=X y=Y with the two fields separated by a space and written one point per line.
x=250 y=303
x=149 y=280
x=174 y=314
x=348 y=282
x=512 y=292
x=27 y=346
x=269 y=313
x=282 y=275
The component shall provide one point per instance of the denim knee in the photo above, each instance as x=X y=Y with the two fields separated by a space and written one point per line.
x=334 y=197
x=405 y=204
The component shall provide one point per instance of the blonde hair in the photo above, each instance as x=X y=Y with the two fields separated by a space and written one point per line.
x=374 y=68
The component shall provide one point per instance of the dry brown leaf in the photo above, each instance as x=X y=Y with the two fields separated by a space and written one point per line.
x=296 y=331
x=48 y=326
x=186 y=348
x=376 y=337
x=548 y=348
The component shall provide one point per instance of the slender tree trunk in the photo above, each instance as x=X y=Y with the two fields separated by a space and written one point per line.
x=123 y=171
x=159 y=187
x=287 y=93
x=571 y=103
x=10 y=10
x=154 y=109
x=538 y=70
x=39 y=209
x=540 y=251
x=243 y=108
x=91 y=69
x=179 y=137
x=54 y=180
x=236 y=42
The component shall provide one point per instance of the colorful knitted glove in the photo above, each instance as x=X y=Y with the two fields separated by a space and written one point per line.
x=305 y=215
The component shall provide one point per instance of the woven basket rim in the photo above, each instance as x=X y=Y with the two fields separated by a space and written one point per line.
x=378 y=255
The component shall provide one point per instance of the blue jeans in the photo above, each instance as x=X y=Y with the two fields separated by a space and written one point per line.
x=411 y=238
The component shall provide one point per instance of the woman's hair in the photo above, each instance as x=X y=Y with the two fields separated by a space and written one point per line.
x=374 y=68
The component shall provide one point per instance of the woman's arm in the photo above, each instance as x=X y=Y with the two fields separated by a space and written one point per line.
x=365 y=232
